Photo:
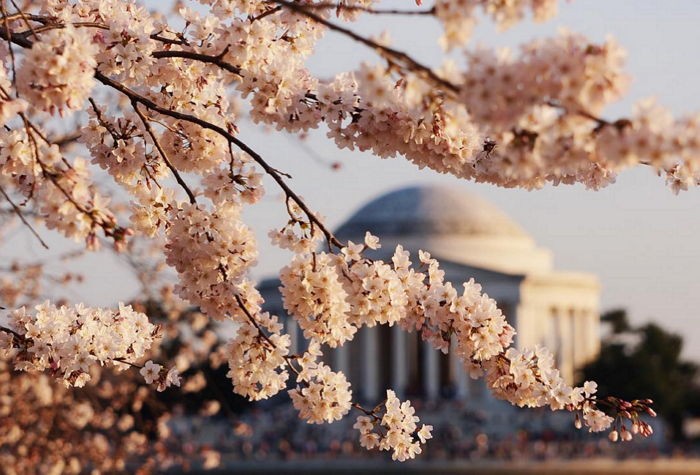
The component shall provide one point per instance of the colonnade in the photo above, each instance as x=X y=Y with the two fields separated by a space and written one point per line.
x=383 y=357
x=573 y=336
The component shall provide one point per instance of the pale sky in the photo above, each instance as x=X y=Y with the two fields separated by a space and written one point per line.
x=641 y=240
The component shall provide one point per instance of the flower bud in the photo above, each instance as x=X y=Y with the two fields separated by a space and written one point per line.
x=613 y=436
x=626 y=436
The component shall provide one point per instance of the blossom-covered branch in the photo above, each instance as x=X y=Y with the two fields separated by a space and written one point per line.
x=163 y=103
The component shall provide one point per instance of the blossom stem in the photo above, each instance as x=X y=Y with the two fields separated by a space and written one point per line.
x=385 y=51
x=18 y=212
x=162 y=153
x=270 y=170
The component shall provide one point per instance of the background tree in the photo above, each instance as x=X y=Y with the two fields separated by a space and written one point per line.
x=647 y=358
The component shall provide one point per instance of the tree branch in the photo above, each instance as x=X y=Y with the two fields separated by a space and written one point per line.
x=162 y=153
x=276 y=175
x=373 y=11
x=217 y=60
x=18 y=212
x=385 y=51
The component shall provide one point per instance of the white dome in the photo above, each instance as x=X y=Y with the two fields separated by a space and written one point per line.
x=431 y=210
x=450 y=223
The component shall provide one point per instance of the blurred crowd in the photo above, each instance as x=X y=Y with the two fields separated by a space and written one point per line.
x=276 y=433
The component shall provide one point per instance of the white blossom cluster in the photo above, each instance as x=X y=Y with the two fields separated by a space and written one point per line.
x=321 y=395
x=9 y=106
x=377 y=294
x=69 y=340
x=115 y=147
x=211 y=251
x=568 y=70
x=257 y=365
x=64 y=194
x=312 y=291
x=238 y=181
x=332 y=296
x=153 y=373
x=57 y=72
x=396 y=430
x=438 y=312
x=433 y=307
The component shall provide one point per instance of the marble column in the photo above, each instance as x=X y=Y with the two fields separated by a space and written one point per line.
x=594 y=331
x=370 y=374
x=458 y=371
x=566 y=365
x=341 y=359
x=552 y=337
x=431 y=372
x=293 y=332
x=580 y=338
x=399 y=363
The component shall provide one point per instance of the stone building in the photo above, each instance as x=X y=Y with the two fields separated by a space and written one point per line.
x=471 y=238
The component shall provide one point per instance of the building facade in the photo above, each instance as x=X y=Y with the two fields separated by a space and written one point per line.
x=471 y=238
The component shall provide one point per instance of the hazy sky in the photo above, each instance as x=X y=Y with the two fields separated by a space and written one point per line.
x=641 y=240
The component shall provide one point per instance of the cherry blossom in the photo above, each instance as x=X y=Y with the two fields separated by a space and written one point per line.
x=159 y=101
x=68 y=341
x=396 y=430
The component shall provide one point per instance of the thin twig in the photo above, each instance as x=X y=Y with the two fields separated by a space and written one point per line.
x=385 y=51
x=373 y=11
x=217 y=60
x=274 y=173
x=18 y=212
x=162 y=153
x=64 y=140
x=12 y=332
x=268 y=12
x=253 y=321
x=24 y=17
x=9 y=44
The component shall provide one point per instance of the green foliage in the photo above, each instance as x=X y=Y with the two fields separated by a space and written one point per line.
x=646 y=360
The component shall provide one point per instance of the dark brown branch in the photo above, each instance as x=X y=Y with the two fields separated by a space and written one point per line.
x=253 y=321
x=162 y=153
x=9 y=45
x=384 y=51
x=169 y=41
x=217 y=60
x=134 y=96
x=601 y=122
x=12 y=332
x=24 y=18
x=338 y=7
x=98 y=115
x=63 y=140
x=18 y=212
x=266 y=13
x=77 y=24
x=122 y=360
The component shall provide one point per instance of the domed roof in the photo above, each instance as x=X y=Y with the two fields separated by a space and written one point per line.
x=421 y=210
